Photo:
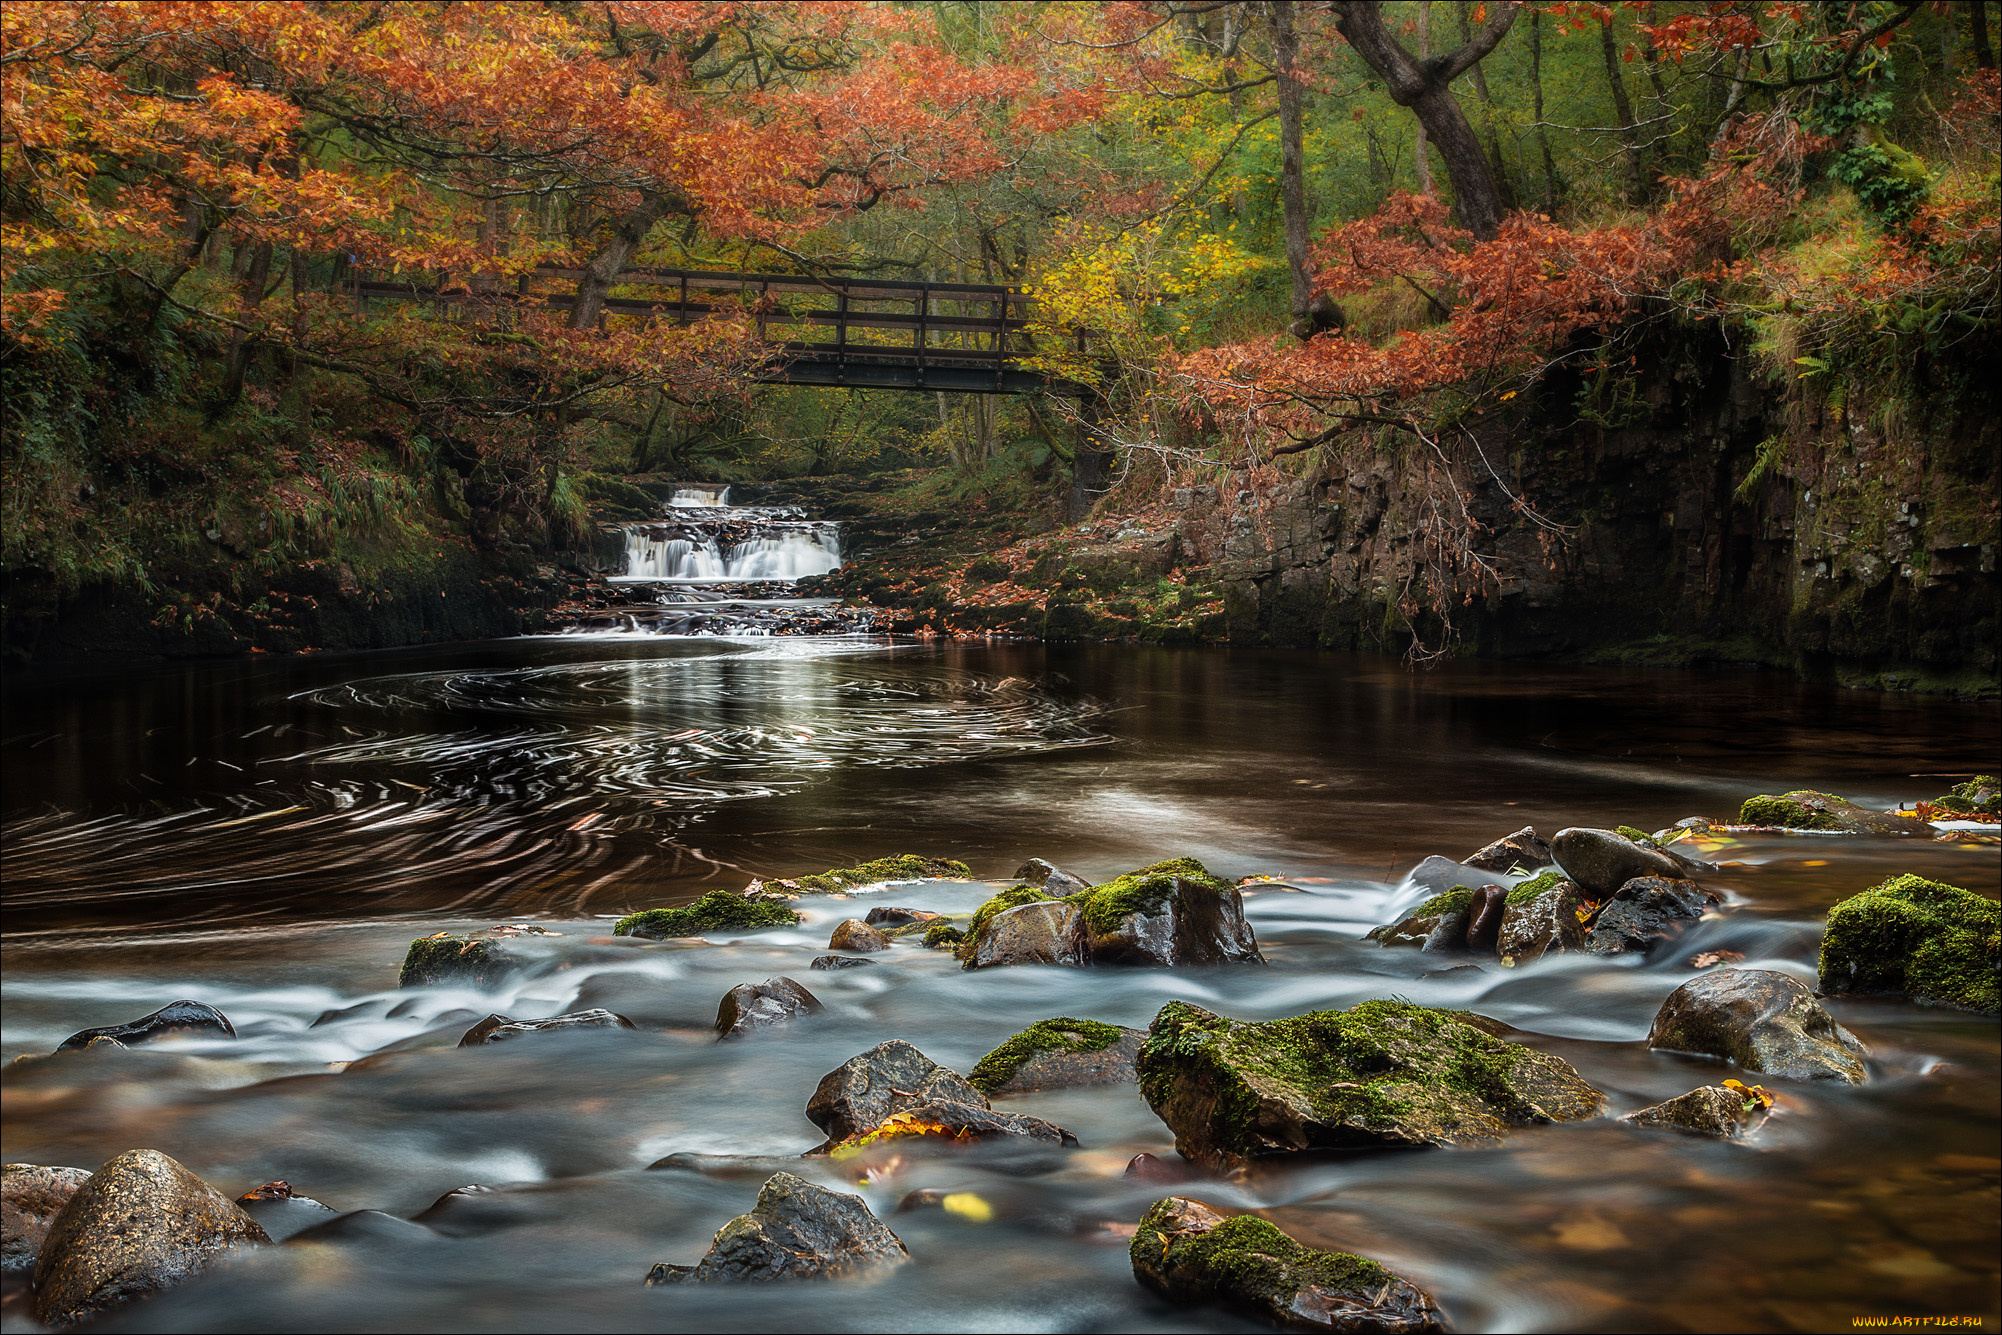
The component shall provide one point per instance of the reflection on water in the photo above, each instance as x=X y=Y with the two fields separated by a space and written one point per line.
x=239 y=834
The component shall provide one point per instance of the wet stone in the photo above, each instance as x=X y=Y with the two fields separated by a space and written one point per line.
x=1521 y=851
x=1763 y=1021
x=282 y=1212
x=1059 y=1054
x=445 y=960
x=1546 y=915
x=838 y=962
x=576 y=1020
x=31 y=1195
x=1438 y=926
x=1052 y=880
x=881 y=917
x=1188 y=1253
x=141 y=1224
x=1170 y=913
x=191 y=1018
x=1601 y=861
x=796 y=1230
x=1718 y=1111
x=946 y=1120
x=749 y=1007
x=1484 y=919
x=889 y=1078
x=478 y=1033
x=1380 y=1074
x=1645 y=912
x=854 y=934
x=1806 y=809
x=1045 y=932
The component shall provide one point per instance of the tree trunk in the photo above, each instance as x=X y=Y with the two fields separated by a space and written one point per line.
x=1426 y=87
x=1624 y=111
x=1502 y=181
x=627 y=234
x=239 y=347
x=1984 y=55
x=1292 y=167
x=1536 y=90
x=1420 y=158
x=1091 y=461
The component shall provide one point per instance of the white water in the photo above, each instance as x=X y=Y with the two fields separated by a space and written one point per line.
x=787 y=554
x=700 y=496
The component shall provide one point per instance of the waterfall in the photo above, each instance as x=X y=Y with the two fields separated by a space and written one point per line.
x=699 y=496
x=777 y=554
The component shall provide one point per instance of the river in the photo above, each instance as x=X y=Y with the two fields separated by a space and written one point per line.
x=268 y=835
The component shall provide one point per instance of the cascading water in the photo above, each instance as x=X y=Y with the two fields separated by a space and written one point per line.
x=788 y=553
x=700 y=496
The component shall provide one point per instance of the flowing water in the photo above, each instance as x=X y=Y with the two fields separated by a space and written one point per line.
x=268 y=837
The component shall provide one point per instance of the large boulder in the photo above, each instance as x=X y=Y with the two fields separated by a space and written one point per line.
x=841 y=880
x=1045 y=931
x=1645 y=912
x=854 y=934
x=1806 y=809
x=1518 y=852
x=717 y=911
x=1722 y=1112
x=1763 y=1021
x=176 y=1018
x=1545 y=914
x=31 y=1196
x=1170 y=913
x=1379 y=1074
x=1059 y=1054
x=512 y=1029
x=1050 y=879
x=449 y=960
x=749 y=1007
x=1601 y=861
x=1189 y=1253
x=1438 y=926
x=893 y=1078
x=796 y=1230
x=141 y=1223
x=1935 y=943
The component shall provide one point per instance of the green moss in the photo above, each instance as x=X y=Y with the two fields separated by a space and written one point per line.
x=1981 y=795
x=942 y=936
x=1787 y=815
x=1252 y=1259
x=1535 y=886
x=442 y=959
x=719 y=910
x=1937 y=944
x=1629 y=832
x=1142 y=891
x=1013 y=897
x=903 y=867
x=1062 y=1034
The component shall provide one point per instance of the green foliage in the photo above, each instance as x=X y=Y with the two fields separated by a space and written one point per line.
x=1936 y=943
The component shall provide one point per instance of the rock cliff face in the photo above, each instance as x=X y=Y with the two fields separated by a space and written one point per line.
x=1709 y=516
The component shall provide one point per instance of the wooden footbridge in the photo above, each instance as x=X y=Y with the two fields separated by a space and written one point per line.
x=964 y=338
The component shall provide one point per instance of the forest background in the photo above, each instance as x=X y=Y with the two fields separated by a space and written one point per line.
x=1294 y=241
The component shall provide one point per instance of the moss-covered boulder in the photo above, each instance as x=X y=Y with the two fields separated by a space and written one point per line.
x=1379 y=1074
x=1937 y=944
x=1189 y=1253
x=1806 y=809
x=1437 y=926
x=1169 y=913
x=1763 y=1021
x=448 y=960
x=943 y=936
x=1545 y=913
x=1059 y=1054
x=840 y=880
x=1042 y=931
x=717 y=911
x=1979 y=796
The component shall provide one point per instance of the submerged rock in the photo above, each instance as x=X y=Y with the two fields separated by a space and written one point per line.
x=1645 y=912
x=1521 y=851
x=893 y=1080
x=1806 y=809
x=796 y=1230
x=1059 y=1054
x=840 y=880
x=882 y=917
x=282 y=1212
x=1437 y=926
x=140 y=1224
x=748 y=1007
x=1542 y=915
x=1601 y=861
x=1379 y=1074
x=477 y=1035
x=852 y=934
x=174 y=1018
x=513 y=1029
x=31 y=1196
x=1044 y=931
x=838 y=962
x=1050 y=879
x=445 y=960
x=1187 y=1252
x=1724 y=1111
x=1763 y=1021
x=717 y=911
x=1935 y=943
x=1170 y=913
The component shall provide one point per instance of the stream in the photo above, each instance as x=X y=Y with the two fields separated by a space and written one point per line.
x=267 y=836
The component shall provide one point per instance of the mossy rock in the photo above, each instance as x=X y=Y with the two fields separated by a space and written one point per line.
x=1437 y=925
x=1062 y=1053
x=1979 y=796
x=943 y=936
x=1377 y=1075
x=1935 y=943
x=1171 y=912
x=1806 y=809
x=717 y=911
x=1776 y=811
x=1187 y=1252
x=840 y=880
x=445 y=960
x=1013 y=897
